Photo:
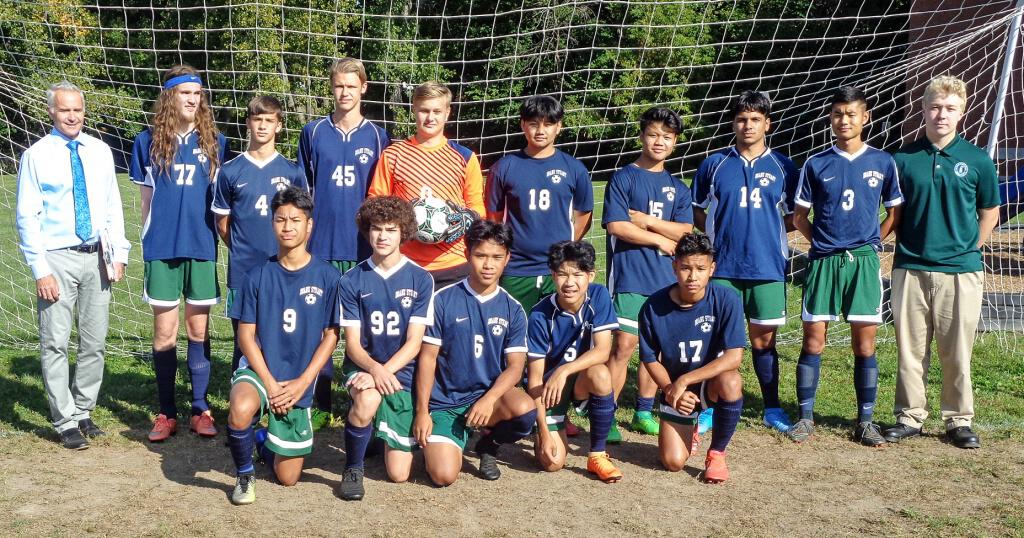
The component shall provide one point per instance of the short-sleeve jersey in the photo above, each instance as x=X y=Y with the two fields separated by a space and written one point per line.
x=537 y=198
x=338 y=167
x=382 y=304
x=291 y=310
x=944 y=189
x=844 y=192
x=636 y=268
x=474 y=332
x=448 y=171
x=684 y=339
x=245 y=187
x=745 y=203
x=180 y=224
x=559 y=337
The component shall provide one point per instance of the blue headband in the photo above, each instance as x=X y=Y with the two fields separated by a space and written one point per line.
x=181 y=79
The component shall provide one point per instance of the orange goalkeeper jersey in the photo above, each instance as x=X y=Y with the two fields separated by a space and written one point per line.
x=449 y=171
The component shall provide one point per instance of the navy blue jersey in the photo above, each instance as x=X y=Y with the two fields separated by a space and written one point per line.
x=382 y=304
x=560 y=337
x=338 y=168
x=843 y=192
x=636 y=268
x=745 y=203
x=245 y=188
x=180 y=224
x=474 y=333
x=291 y=310
x=684 y=339
x=537 y=198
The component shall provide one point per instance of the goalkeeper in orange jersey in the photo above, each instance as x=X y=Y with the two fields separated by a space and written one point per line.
x=428 y=165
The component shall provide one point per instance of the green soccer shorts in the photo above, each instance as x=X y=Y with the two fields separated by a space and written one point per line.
x=165 y=281
x=287 y=435
x=528 y=290
x=344 y=266
x=669 y=414
x=849 y=283
x=556 y=417
x=627 y=309
x=393 y=420
x=764 y=301
x=450 y=427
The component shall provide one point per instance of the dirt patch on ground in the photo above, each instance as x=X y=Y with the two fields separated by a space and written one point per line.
x=829 y=486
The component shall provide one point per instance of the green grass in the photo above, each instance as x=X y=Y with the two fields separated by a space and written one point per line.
x=128 y=396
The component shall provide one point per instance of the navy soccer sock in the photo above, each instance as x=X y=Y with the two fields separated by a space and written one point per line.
x=602 y=413
x=322 y=391
x=644 y=405
x=241 y=443
x=723 y=423
x=165 y=364
x=508 y=431
x=808 y=369
x=865 y=380
x=199 y=373
x=766 y=365
x=357 y=438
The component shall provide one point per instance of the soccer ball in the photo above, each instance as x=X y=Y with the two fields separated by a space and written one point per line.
x=431 y=219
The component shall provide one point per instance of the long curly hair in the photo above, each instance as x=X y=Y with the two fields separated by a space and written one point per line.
x=165 y=126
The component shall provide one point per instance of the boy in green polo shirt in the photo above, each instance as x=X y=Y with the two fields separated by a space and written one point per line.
x=951 y=205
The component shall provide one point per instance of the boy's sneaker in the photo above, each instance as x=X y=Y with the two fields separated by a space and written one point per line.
x=319 y=418
x=777 y=419
x=488 y=452
x=715 y=470
x=245 y=489
x=705 y=420
x=614 y=435
x=202 y=424
x=801 y=431
x=351 y=487
x=868 y=434
x=601 y=465
x=163 y=428
x=644 y=422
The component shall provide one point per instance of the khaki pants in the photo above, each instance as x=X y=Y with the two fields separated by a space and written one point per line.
x=946 y=307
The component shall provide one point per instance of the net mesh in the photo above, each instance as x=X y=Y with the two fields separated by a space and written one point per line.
x=606 y=61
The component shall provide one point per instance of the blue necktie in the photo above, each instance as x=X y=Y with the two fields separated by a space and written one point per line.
x=83 y=221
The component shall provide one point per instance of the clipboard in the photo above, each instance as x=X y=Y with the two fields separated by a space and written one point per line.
x=107 y=252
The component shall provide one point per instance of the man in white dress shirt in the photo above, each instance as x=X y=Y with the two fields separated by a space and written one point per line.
x=67 y=198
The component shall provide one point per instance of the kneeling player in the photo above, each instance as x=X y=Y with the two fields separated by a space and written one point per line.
x=472 y=357
x=691 y=342
x=287 y=330
x=386 y=304
x=570 y=339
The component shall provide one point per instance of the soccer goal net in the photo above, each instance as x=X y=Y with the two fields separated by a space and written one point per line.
x=607 y=61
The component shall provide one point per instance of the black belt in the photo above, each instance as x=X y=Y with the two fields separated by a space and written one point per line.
x=86 y=249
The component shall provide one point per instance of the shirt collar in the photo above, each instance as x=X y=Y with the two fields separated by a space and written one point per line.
x=944 y=151
x=56 y=132
x=736 y=152
x=477 y=296
x=850 y=156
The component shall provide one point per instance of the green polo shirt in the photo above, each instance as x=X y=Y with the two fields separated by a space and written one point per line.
x=942 y=192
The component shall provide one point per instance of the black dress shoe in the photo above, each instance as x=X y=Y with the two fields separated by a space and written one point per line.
x=900 y=432
x=72 y=438
x=89 y=428
x=963 y=437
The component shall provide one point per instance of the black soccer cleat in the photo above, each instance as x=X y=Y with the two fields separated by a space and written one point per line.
x=351 y=487
x=488 y=452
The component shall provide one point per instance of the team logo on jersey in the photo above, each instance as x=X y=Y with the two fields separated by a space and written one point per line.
x=364 y=155
x=200 y=156
x=669 y=192
x=556 y=176
x=279 y=183
x=706 y=323
x=873 y=178
x=498 y=325
x=405 y=297
x=311 y=293
x=764 y=178
x=960 y=169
